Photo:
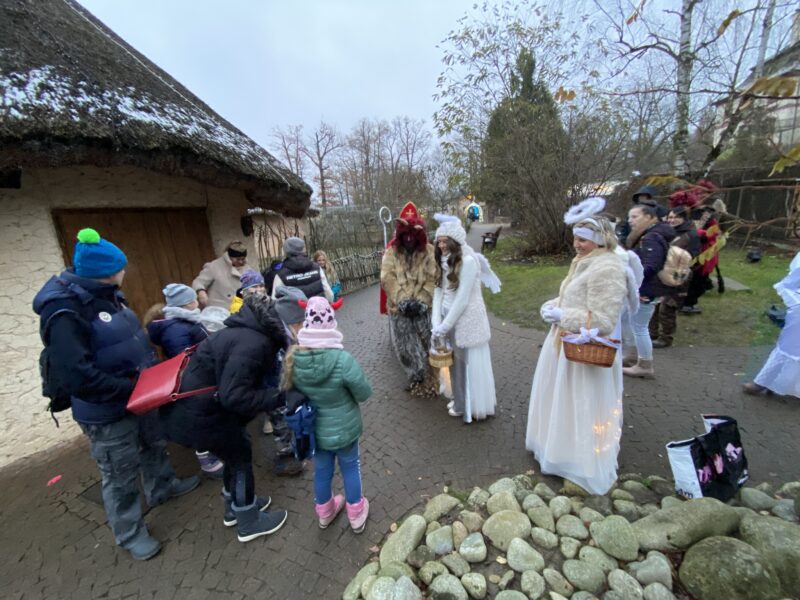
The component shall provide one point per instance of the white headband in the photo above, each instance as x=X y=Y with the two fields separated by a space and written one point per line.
x=589 y=234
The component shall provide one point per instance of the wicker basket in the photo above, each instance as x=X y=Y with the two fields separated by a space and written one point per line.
x=440 y=359
x=592 y=353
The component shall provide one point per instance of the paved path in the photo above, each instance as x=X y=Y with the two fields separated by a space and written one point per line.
x=55 y=543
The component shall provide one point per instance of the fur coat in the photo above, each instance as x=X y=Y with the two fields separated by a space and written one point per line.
x=401 y=280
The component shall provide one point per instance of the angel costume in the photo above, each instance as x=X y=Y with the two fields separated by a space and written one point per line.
x=781 y=373
x=575 y=413
x=461 y=315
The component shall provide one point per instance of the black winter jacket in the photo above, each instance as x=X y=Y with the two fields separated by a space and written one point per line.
x=237 y=360
x=175 y=335
x=301 y=272
x=652 y=248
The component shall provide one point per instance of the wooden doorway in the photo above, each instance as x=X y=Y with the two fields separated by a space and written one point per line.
x=162 y=245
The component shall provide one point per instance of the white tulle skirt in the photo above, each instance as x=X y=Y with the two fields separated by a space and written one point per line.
x=781 y=372
x=575 y=418
x=476 y=385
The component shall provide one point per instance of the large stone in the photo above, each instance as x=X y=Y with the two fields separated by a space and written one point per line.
x=523 y=483
x=404 y=540
x=431 y=570
x=577 y=504
x=506 y=484
x=724 y=568
x=620 y=581
x=510 y=595
x=620 y=494
x=502 y=501
x=573 y=489
x=544 y=492
x=353 y=589
x=542 y=516
x=504 y=526
x=432 y=526
x=629 y=510
x=475 y=584
x=662 y=487
x=543 y=538
x=572 y=526
x=447 y=587
x=395 y=570
x=532 y=584
x=531 y=501
x=584 y=576
x=521 y=557
x=478 y=498
x=459 y=533
x=404 y=589
x=381 y=589
x=648 y=509
x=441 y=540
x=670 y=502
x=656 y=568
x=366 y=584
x=616 y=537
x=506 y=579
x=601 y=504
x=656 y=591
x=589 y=515
x=797 y=506
x=558 y=583
x=420 y=555
x=779 y=543
x=560 y=506
x=679 y=527
x=473 y=548
x=456 y=564
x=756 y=499
x=569 y=547
x=785 y=510
x=595 y=556
x=438 y=506
x=472 y=520
x=583 y=595
x=640 y=492
x=790 y=490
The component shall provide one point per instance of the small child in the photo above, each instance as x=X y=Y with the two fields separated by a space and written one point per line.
x=335 y=385
x=179 y=329
x=252 y=283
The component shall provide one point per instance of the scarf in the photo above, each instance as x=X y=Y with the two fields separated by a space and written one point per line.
x=320 y=338
x=178 y=312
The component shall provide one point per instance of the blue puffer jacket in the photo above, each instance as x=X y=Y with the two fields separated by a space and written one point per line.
x=96 y=345
x=652 y=248
x=175 y=335
x=335 y=385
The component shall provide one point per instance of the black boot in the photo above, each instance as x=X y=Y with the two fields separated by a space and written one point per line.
x=252 y=523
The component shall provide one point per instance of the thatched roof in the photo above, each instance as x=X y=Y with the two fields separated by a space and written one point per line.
x=73 y=92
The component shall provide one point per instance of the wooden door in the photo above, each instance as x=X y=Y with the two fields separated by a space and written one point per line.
x=162 y=245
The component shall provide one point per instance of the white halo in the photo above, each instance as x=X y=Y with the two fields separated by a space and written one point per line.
x=584 y=210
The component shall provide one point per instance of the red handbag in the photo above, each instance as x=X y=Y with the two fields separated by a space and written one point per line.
x=160 y=384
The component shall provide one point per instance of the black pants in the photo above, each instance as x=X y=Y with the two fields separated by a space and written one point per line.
x=698 y=286
x=238 y=478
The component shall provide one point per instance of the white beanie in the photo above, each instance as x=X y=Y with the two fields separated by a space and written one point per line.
x=450 y=226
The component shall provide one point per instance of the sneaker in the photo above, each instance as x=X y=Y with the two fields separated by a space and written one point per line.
x=210 y=465
x=143 y=546
x=454 y=413
x=287 y=468
x=229 y=518
x=252 y=523
x=451 y=404
x=661 y=343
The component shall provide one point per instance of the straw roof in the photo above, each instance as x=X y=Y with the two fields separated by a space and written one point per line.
x=73 y=92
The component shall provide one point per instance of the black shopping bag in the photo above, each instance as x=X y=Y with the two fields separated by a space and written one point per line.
x=712 y=464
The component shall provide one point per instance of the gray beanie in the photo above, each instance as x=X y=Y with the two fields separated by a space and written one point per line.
x=294 y=246
x=178 y=294
x=289 y=311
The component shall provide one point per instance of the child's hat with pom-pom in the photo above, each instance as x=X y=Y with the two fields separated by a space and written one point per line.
x=96 y=258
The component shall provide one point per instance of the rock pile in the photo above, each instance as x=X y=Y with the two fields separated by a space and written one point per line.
x=520 y=539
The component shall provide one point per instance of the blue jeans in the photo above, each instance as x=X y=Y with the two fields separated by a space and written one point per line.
x=349 y=465
x=122 y=450
x=641 y=330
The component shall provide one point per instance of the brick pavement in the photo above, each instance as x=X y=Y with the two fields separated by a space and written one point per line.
x=55 y=543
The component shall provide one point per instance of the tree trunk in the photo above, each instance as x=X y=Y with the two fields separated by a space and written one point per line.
x=680 y=149
x=762 y=47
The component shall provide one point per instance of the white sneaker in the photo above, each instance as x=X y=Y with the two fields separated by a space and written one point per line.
x=452 y=412
x=451 y=404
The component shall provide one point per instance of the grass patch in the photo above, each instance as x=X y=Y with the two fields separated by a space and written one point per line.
x=729 y=319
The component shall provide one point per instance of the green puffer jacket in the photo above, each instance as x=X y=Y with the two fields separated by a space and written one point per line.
x=335 y=385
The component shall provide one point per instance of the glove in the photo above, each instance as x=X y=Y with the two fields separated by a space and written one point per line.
x=440 y=330
x=551 y=314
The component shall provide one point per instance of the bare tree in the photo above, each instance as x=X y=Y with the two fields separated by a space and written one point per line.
x=321 y=146
x=289 y=145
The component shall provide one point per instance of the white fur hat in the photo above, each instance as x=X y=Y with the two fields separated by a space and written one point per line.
x=450 y=226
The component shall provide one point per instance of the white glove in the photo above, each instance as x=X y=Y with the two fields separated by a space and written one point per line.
x=440 y=329
x=551 y=314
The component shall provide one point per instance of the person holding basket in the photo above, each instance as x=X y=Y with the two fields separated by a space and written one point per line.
x=575 y=414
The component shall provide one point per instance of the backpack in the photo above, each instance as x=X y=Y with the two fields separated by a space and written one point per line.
x=677 y=267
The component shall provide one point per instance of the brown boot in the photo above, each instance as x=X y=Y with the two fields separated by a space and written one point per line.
x=662 y=343
x=642 y=369
x=629 y=357
x=754 y=389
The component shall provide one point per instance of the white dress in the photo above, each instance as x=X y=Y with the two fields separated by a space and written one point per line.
x=781 y=373
x=471 y=377
x=575 y=413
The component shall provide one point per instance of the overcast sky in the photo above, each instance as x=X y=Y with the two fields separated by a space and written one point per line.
x=262 y=64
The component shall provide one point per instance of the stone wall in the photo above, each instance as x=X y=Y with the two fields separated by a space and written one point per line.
x=30 y=253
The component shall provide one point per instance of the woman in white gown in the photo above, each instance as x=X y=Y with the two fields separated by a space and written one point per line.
x=781 y=373
x=575 y=414
x=460 y=314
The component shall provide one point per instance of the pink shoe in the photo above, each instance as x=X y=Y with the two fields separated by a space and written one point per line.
x=327 y=512
x=357 y=514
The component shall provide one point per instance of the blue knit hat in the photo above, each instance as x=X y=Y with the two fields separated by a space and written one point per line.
x=95 y=258
x=250 y=278
x=178 y=294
